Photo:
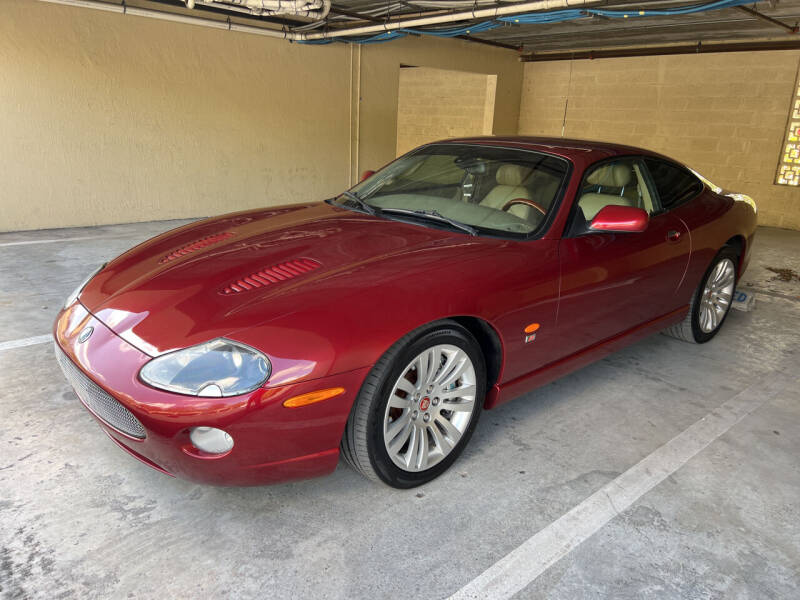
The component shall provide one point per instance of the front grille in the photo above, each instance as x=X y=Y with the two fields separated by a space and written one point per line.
x=98 y=401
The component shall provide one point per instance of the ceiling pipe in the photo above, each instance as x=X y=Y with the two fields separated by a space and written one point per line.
x=467 y=15
x=371 y=19
x=484 y=13
x=172 y=17
x=117 y=8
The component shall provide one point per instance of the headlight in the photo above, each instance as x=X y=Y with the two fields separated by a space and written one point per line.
x=217 y=368
x=74 y=295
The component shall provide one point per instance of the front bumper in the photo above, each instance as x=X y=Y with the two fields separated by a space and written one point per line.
x=272 y=443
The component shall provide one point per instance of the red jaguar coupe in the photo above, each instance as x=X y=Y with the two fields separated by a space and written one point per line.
x=256 y=347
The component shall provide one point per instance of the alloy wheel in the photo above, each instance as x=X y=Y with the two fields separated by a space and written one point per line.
x=429 y=408
x=717 y=295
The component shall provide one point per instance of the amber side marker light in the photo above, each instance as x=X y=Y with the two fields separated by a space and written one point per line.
x=530 y=332
x=313 y=397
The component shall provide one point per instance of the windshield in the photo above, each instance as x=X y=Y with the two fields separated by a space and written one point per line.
x=475 y=189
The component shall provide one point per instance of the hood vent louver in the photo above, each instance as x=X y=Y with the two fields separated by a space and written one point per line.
x=275 y=274
x=196 y=245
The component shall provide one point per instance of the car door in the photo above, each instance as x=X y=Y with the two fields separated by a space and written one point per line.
x=612 y=282
x=684 y=195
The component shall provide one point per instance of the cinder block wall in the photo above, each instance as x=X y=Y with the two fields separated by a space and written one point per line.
x=437 y=103
x=722 y=114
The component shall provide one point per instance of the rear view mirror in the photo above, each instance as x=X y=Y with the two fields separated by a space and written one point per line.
x=620 y=219
x=366 y=175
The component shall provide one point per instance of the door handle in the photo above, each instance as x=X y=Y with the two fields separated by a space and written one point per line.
x=673 y=236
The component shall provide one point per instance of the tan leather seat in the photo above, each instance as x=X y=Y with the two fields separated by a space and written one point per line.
x=544 y=187
x=509 y=186
x=615 y=176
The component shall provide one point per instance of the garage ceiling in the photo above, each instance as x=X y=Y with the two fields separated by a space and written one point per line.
x=749 y=26
x=738 y=23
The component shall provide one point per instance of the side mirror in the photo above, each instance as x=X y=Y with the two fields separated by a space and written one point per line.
x=620 y=219
x=366 y=175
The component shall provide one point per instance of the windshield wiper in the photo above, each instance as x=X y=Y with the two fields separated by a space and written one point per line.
x=433 y=215
x=367 y=208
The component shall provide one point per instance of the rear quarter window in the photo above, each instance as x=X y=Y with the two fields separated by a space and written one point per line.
x=674 y=184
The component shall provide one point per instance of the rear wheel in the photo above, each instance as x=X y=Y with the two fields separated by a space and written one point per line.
x=417 y=408
x=711 y=301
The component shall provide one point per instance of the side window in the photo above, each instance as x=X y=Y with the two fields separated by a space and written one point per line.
x=675 y=185
x=620 y=182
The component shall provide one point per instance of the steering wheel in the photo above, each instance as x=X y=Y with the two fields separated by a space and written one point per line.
x=526 y=202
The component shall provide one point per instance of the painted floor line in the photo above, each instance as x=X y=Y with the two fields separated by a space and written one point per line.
x=39 y=339
x=523 y=565
x=55 y=240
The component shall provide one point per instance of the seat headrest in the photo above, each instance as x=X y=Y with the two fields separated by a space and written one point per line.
x=512 y=174
x=614 y=175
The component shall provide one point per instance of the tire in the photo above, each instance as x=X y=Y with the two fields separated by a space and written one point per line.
x=374 y=426
x=694 y=328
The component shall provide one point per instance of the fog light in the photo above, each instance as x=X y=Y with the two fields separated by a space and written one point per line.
x=211 y=440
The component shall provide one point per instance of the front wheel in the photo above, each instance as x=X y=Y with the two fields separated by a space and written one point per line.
x=711 y=301
x=417 y=408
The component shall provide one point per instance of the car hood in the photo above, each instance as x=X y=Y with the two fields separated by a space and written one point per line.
x=216 y=276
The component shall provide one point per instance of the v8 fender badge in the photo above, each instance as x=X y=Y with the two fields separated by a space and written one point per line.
x=530 y=332
x=85 y=334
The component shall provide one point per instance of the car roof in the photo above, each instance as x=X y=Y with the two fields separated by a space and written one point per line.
x=577 y=151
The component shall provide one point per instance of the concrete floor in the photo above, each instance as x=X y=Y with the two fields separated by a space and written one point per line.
x=79 y=518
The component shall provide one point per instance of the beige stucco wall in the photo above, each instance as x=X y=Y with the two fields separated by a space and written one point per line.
x=436 y=103
x=722 y=114
x=106 y=118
